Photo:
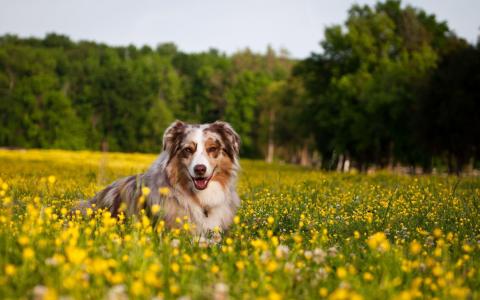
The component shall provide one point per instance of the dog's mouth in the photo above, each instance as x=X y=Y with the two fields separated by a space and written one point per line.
x=201 y=183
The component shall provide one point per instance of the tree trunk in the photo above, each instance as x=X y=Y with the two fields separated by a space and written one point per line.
x=271 y=143
x=346 y=164
x=304 y=159
x=340 y=163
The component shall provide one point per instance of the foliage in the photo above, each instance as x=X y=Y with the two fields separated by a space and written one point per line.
x=393 y=86
x=378 y=80
x=55 y=93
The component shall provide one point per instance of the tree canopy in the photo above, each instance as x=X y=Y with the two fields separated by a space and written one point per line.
x=391 y=86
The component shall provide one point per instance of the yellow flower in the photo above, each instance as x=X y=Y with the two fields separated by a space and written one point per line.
x=415 y=247
x=437 y=271
x=75 y=255
x=270 y=220
x=236 y=220
x=51 y=179
x=467 y=248
x=274 y=296
x=137 y=288
x=323 y=292
x=367 y=276
x=356 y=235
x=155 y=209
x=379 y=242
x=164 y=191
x=437 y=232
x=23 y=240
x=145 y=191
x=174 y=289
x=10 y=270
x=341 y=273
x=272 y=266
x=28 y=253
x=175 y=267
x=116 y=278
x=214 y=269
x=240 y=265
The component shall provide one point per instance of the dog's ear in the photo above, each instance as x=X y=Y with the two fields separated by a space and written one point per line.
x=230 y=138
x=173 y=136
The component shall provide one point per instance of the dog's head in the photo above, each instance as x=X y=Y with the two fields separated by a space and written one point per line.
x=199 y=154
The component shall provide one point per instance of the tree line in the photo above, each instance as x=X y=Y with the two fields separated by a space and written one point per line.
x=392 y=86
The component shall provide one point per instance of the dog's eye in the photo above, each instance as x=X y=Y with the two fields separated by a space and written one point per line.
x=211 y=149
x=188 y=150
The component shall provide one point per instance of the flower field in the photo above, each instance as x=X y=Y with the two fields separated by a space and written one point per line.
x=300 y=234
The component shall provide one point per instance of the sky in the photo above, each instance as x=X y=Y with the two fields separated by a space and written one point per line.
x=197 y=25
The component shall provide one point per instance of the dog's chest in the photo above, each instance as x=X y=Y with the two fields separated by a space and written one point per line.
x=212 y=196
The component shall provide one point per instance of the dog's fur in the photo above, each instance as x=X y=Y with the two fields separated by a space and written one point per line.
x=209 y=201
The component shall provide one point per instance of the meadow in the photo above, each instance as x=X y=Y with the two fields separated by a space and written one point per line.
x=300 y=234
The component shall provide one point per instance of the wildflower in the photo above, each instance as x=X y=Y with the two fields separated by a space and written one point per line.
x=155 y=209
x=28 y=253
x=367 y=276
x=23 y=240
x=356 y=234
x=323 y=292
x=332 y=251
x=214 y=269
x=415 y=247
x=308 y=254
x=275 y=240
x=145 y=191
x=379 y=242
x=467 y=248
x=164 y=191
x=10 y=270
x=281 y=251
x=137 y=288
x=274 y=296
x=75 y=255
x=42 y=292
x=236 y=219
x=341 y=273
x=319 y=255
x=270 y=220
x=272 y=266
x=51 y=179
x=240 y=265
x=437 y=232
x=322 y=274
x=175 y=267
x=174 y=289
x=437 y=271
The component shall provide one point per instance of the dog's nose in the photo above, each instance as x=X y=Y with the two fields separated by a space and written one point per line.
x=200 y=170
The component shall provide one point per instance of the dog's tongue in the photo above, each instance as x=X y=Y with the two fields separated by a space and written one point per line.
x=200 y=183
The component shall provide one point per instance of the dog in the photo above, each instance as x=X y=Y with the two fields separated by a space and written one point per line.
x=194 y=177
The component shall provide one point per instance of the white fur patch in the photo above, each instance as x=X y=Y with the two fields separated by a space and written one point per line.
x=200 y=157
x=212 y=196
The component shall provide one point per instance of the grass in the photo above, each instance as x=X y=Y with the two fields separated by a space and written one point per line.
x=300 y=234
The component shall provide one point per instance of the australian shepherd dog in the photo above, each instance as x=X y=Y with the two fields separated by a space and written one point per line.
x=194 y=177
